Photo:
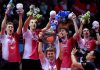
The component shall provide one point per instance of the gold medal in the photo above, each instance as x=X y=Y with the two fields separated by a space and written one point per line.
x=12 y=47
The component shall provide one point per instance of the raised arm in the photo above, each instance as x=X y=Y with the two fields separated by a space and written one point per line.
x=73 y=58
x=79 y=31
x=41 y=54
x=74 y=61
x=81 y=27
x=40 y=48
x=74 y=21
x=73 y=18
x=98 y=36
x=20 y=22
x=27 y=23
x=3 y=25
x=40 y=43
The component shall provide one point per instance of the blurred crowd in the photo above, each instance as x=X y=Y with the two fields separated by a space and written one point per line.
x=77 y=6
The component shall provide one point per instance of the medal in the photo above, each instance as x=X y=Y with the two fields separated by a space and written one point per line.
x=11 y=42
x=12 y=47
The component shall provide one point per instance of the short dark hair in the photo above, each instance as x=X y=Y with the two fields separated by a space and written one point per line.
x=67 y=30
x=10 y=23
x=51 y=48
x=70 y=34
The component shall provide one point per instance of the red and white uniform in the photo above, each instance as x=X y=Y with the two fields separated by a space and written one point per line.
x=50 y=65
x=31 y=45
x=10 y=50
x=47 y=65
x=66 y=48
x=87 y=44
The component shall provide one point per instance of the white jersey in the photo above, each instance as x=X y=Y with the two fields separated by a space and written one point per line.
x=28 y=37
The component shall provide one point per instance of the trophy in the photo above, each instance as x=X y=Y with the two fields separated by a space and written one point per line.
x=95 y=24
x=10 y=6
x=85 y=17
x=34 y=11
x=19 y=7
x=53 y=21
x=49 y=37
x=70 y=15
x=62 y=15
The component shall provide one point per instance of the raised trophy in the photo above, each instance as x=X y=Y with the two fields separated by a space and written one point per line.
x=34 y=11
x=85 y=17
x=10 y=6
x=95 y=24
x=19 y=7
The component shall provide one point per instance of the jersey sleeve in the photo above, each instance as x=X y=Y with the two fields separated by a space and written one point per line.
x=2 y=37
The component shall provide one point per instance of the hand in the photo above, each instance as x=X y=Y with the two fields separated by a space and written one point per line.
x=20 y=12
x=40 y=35
x=73 y=17
x=7 y=11
x=82 y=21
x=60 y=35
x=29 y=13
x=97 y=29
x=73 y=51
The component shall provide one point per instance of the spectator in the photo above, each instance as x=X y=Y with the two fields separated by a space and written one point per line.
x=43 y=8
x=92 y=61
x=64 y=5
x=58 y=7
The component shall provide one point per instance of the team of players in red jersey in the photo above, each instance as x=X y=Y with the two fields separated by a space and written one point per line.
x=58 y=54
